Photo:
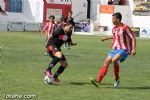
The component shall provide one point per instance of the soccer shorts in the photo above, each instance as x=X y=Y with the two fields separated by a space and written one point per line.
x=123 y=53
x=52 y=49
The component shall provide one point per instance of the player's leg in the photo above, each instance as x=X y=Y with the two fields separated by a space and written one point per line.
x=102 y=72
x=60 y=70
x=116 y=73
x=70 y=41
x=56 y=55
x=116 y=70
x=56 y=59
x=121 y=55
x=104 y=69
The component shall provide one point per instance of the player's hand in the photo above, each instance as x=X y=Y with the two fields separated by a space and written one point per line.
x=50 y=36
x=42 y=31
x=133 y=52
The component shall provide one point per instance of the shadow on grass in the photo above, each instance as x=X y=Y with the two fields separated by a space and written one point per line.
x=72 y=55
x=79 y=83
x=86 y=83
x=110 y=85
x=135 y=88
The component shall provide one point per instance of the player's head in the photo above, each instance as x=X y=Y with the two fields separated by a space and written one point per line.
x=70 y=13
x=116 y=18
x=69 y=26
x=51 y=18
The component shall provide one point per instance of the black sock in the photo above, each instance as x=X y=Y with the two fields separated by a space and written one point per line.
x=59 y=71
x=53 y=63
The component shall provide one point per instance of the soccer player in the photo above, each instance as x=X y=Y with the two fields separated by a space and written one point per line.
x=54 y=51
x=2 y=11
x=69 y=42
x=49 y=29
x=123 y=44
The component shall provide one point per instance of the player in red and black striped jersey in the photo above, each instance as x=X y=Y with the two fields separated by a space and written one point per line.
x=54 y=50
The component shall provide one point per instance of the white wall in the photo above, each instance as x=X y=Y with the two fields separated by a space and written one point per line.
x=79 y=6
x=141 y=21
x=106 y=19
x=2 y=4
x=33 y=9
x=94 y=4
x=128 y=17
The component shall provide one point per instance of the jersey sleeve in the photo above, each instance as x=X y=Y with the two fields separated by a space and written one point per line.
x=129 y=32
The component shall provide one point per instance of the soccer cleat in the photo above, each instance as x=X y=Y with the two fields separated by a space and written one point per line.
x=48 y=73
x=94 y=82
x=116 y=83
x=56 y=81
x=72 y=44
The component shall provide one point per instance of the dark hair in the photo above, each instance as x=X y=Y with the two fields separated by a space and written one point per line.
x=70 y=22
x=70 y=12
x=118 y=15
x=52 y=16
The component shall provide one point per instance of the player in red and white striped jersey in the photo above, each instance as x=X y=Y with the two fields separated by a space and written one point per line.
x=49 y=28
x=122 y=37
x=123 y=44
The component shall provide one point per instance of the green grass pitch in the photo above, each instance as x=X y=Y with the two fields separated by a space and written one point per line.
x=22 y=63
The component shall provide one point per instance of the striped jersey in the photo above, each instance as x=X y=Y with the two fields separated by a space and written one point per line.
x=49 y=27
x=122 y=38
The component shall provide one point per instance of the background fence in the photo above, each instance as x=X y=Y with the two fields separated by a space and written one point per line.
x=20 y=26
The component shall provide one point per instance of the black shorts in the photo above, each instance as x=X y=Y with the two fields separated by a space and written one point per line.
x=52 y=49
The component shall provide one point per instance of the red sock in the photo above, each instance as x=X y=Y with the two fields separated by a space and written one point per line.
x=102 y=73
x=116 y=71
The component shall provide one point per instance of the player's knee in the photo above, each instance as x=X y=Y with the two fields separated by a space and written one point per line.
x=58 y=54
x=114 y=61
x=107 y=62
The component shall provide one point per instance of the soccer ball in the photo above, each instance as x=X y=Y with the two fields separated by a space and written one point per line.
x=48 y=80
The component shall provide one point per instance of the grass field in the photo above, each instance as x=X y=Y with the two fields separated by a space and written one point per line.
x=22 y=63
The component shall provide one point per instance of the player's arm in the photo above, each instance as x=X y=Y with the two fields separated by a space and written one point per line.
x=132 y=36
x=107 y=38
x=133 y=52
x=45 y=27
